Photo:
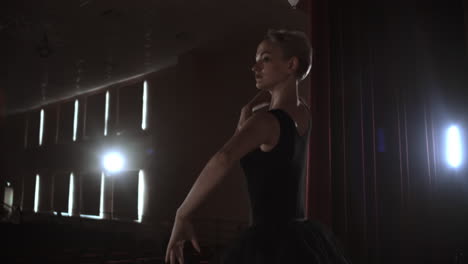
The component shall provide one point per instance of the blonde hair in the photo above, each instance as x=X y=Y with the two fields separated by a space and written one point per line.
x=293 y=43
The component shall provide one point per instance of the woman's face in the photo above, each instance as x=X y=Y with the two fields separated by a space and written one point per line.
x=270 y=67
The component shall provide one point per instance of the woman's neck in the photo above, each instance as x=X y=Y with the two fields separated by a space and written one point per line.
x=285 y=96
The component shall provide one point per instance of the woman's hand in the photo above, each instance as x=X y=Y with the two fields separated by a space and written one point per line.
x=182 y=231
x=260 y=100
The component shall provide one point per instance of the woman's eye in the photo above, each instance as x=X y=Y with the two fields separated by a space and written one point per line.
x=266 y=59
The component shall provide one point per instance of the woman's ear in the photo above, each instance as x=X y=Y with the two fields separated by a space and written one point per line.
x=293 y=64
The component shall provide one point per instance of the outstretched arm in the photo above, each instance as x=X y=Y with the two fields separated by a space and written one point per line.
x=261 y=128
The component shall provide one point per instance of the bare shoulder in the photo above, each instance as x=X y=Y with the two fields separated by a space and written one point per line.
x=261 y=129
x=264 y=121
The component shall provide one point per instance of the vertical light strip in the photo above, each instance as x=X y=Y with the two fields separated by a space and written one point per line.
x=454 y=147
x=145 y=105
x=71 y=192
x=41 y=127
x=106 y=113
x=101 y=201
x=36 y=194
x=75 y=119
x=141 y=194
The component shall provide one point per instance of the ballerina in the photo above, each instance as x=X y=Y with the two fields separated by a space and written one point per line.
x=271 y=145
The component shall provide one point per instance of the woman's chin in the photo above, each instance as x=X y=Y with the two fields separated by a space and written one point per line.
x=260 y=86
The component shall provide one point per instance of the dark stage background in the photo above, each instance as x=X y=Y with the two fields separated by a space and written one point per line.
x=388 y=79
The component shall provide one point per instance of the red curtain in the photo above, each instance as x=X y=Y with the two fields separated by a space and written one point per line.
x=319 y=182
x=388 y=78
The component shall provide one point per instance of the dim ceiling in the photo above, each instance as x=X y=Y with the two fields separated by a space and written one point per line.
x=54 y=49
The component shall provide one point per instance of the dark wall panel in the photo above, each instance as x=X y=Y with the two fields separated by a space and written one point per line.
x=61 y=191
x=90 y=193
x=65 y=133
x=28 y=194
x=130 y=107
x=50 y=125
x=45 y=192
x=18 y=188
x=15 y=132
x=126 y=195
x=95 y=110
x=33 y=129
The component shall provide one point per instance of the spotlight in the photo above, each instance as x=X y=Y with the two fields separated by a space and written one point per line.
x=113 y=162
x=454 y=147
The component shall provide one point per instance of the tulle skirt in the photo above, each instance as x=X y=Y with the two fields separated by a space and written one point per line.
x=295 y=241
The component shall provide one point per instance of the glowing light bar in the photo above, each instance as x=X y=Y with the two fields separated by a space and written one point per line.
x=70 y=194
x=113 y=162
x=101 y=199
x=141 y=194
x=454 y=147
x=62 y=213
x=36 y=194
x=75 y=120
x=91 y=216
x=41 y=127
x=106 y=113
x=145 y=106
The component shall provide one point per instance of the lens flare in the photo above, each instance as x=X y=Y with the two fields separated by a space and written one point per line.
x=113 y=162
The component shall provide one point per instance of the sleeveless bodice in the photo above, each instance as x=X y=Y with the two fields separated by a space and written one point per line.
x=276 y=179
x=276 y=186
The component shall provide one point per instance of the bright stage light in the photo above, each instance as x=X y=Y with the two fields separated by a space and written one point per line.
x=41 y=127
x=145 y=106
x=113 y=162
x=106 y=113
x=101 y=199
x=75 y=119
x=141 y=194
x=71 y=193
x=36 y=194
x=454 y=147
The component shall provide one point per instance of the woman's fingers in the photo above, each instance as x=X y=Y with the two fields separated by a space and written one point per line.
x=180 y=255
x=182 y=231
x=172 y=257
x=168 y=256
x=245 y=114
x=259 y=106
x=177 y=253
x=195 y=245
x=168 y=252
x=173 y=254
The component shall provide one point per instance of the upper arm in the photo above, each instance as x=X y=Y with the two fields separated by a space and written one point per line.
x=261 y=128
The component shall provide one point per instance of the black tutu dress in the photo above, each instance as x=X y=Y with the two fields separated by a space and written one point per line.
x=279 y=233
